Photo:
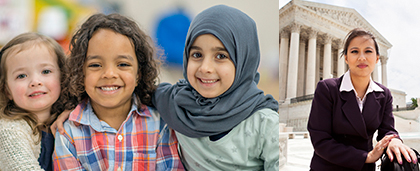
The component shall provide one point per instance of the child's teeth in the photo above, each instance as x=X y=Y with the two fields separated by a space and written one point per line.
x=36 y=94
x=210 y=81
x=109 y=88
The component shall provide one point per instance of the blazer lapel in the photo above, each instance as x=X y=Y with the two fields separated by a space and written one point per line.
x=372 y=106
x=352 y=112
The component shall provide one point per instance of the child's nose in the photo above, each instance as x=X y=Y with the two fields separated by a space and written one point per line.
x=35 y=81
x=110 y=72
x=207 y=66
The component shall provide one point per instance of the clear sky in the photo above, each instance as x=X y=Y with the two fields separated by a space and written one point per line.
x=399 y=22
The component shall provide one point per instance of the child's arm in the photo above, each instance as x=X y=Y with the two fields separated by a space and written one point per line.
x=271 y=147
x=65 y=154
x=167 y=151
x=58 y=123
x=15 y=149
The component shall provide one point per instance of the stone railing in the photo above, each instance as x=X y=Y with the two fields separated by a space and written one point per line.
x=302 y=98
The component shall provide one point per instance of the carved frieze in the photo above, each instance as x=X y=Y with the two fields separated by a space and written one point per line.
x=341 y=16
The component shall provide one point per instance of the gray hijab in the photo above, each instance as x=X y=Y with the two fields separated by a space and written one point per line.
x=185 y=110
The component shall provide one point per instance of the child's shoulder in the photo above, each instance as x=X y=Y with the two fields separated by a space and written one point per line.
x=264 y=114
x=149 y=110
x=14 y=124
x=12 y=129
x=262 y=119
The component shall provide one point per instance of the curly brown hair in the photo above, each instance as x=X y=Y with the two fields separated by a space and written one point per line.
x=143 y=47
x=8 y=109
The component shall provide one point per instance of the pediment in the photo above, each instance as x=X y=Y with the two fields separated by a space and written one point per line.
x=348 y=17
x=344 y=18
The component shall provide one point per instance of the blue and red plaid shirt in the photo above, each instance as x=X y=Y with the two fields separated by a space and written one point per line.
x=143 y=142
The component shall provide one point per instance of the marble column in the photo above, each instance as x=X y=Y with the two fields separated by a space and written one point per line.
x=326 y=73
x=341 y=61
x=301 y=69
x=293 y=62
x=384 y=60
x=318 y=63
x=375 y=73
x=284 y=52
x=311 y=64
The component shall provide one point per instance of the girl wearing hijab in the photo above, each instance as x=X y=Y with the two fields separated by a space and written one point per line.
x=222 y=120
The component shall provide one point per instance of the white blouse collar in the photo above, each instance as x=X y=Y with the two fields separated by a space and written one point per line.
x=347 y=85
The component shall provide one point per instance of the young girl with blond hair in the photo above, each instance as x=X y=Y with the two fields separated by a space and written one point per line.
x=31 y=74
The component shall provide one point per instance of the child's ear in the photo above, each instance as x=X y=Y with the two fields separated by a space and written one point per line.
x=7 y=91
x=137 y=79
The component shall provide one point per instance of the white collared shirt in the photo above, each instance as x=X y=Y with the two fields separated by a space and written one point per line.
x=347 y=85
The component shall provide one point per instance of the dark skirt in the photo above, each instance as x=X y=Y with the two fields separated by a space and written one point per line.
x=47 y=149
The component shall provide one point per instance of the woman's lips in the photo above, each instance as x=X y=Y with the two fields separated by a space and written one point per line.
x=362 y=65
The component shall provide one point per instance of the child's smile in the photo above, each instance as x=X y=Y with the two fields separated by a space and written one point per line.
x=210 y=71
x=110 y=70
x=207 y=84
x=205 y=81
x=37 y=94
x=109 y=90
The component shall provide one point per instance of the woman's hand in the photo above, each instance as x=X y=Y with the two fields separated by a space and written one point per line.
x=378 y=150
x=58 y=123
x=397 y=147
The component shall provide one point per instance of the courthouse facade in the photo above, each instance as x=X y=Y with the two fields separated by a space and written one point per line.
x=311 y=37
x=311 y=42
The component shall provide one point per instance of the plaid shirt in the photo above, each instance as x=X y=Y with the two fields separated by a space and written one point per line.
x=143 y=142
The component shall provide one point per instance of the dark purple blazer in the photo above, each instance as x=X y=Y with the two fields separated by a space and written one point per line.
x=341 y=135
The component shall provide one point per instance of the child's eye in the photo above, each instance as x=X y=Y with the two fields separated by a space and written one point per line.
x=196 y=55
x=123 y=65
x=221 y=56
x=21 y=76
x=94 y=65
x=368 y=51
x=46 y=71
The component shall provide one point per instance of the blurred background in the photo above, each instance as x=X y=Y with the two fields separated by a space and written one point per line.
x=166 y=21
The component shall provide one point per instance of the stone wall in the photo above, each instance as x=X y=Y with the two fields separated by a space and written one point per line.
x=398 y=98
x=295 y=115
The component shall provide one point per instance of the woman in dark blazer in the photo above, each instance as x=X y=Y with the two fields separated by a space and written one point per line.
x=347 y=111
